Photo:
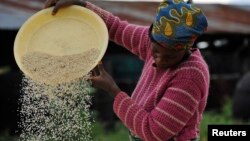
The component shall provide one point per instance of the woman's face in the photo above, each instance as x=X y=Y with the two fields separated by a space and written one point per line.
x=166 y=57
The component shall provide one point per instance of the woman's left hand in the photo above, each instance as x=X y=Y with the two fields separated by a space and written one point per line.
x=63 y=3
x=104 y=81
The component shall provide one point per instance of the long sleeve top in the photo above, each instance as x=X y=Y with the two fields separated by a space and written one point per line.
x=166 y=103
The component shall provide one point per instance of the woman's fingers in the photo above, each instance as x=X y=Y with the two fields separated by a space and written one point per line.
x=95 y=71
x=96 y=80
x=93 y=80
x=98 y=75
x=101 y=68
x=49 y=3
x=58 y=5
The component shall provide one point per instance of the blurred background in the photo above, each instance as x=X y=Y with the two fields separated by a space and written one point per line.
x=225 y=46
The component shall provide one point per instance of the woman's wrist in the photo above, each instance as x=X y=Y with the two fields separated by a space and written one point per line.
x=114 y=90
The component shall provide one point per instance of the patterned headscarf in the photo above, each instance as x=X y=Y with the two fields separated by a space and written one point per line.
x=177 y=24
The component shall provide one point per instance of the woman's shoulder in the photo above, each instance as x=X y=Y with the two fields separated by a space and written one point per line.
x=195 y=60
x=194 y=67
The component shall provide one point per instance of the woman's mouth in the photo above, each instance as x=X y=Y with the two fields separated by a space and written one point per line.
x=159 y=65
x=154 y=65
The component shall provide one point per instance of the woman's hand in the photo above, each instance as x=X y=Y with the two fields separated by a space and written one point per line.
x=62 y=3
x=104 y=81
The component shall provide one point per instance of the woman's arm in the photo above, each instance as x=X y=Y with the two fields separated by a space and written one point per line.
x=133 y=37
x=167 y=119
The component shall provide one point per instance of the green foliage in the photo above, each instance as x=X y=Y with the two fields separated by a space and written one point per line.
x=220 y=118
x=120 y=133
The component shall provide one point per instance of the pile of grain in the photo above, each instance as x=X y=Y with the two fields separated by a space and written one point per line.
x=57 y=112
x=58 y=69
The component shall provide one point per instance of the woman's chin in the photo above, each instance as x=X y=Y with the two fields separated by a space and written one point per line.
x=160 y=66
x=163 y=67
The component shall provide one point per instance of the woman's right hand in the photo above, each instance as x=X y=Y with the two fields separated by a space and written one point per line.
x=63 y=3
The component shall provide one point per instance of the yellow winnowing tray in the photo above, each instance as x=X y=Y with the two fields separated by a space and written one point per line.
x=73 y=30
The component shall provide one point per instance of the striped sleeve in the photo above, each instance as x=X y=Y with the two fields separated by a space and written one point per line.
x=170 y=115
x=176 y=107
x=132 y=37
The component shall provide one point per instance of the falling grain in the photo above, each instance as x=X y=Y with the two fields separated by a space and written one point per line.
x=56 y=101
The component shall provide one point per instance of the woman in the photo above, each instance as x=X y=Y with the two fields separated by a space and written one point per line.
x=171 y=94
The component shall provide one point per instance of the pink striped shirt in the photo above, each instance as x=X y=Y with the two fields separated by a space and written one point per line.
x=165 y=103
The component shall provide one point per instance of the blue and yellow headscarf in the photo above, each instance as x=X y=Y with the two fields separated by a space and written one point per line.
x=177 y=24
